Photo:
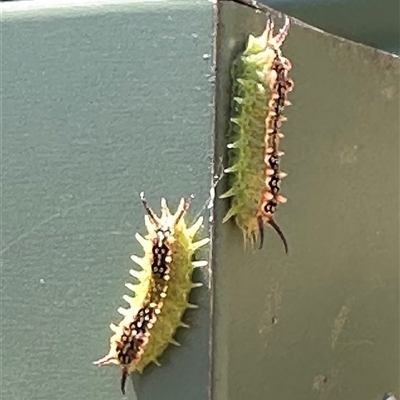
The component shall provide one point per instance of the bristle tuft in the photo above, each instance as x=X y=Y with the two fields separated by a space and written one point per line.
x=194 y=246
x=231 y=192
x=229 y=170
x=191 y=232
x=136 y=274
x=144 y=242
x=199 y=263
x=139 y=260
x=163 y=203
x=122 y=311
x=232 y=212
x=174 y=342
x=127 y=298
x=130 y=286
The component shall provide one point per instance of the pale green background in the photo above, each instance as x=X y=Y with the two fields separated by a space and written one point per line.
x=101 y=102
x=336 y=296
x=372 y=22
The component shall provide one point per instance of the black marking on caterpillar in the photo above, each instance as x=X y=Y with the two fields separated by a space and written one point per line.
x=260 y=89
x=161 y=296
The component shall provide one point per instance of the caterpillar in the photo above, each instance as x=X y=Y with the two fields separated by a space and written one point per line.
x=161 y=296
x=260 y=88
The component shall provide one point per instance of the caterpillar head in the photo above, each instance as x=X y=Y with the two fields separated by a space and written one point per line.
x=164 y=226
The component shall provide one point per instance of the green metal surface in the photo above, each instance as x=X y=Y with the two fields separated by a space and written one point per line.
x=103 y=101
x=99 y=102
x=323 y=322
x=372 y=22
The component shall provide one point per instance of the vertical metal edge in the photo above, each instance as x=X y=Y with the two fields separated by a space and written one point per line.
x=219 y=370
x=215 y=8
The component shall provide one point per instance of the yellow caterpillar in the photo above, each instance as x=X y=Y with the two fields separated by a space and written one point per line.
x=260 y=88
x=161 y=296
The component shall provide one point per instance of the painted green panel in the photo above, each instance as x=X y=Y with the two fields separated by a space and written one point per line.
x=335 y=298
x=99 y=102
x=372 y=22
x=102 y=102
